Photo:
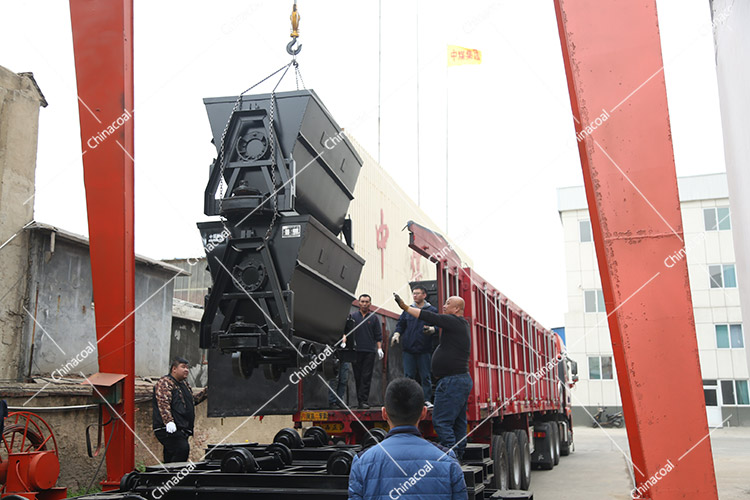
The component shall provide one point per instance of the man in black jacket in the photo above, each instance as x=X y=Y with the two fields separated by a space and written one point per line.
x=3 y=415
x=173 y=405
x=450 y=368
x=368 y=338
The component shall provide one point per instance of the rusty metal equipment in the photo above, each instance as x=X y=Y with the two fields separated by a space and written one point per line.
x=614 y=65
x=29 y=462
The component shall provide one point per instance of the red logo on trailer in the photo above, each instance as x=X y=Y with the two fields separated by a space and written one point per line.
x=381 y=233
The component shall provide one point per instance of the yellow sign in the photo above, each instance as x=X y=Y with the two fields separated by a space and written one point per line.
x=458 y=56
x=332 y=426
x=313 y=415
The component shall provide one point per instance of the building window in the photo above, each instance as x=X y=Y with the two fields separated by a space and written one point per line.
x=729 y=336
x=722 y=276
x=593 y=301
x=717 y=219
x=734 y=392
x=584 y=230
x=600 y=367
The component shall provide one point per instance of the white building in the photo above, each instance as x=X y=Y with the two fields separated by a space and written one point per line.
x=709 y=250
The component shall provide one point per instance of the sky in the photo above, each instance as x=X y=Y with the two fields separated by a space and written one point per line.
x=508 y=121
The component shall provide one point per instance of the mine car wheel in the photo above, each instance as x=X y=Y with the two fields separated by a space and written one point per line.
x=272 y=372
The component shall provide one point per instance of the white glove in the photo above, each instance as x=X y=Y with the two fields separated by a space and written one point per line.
x=343 y=342
x=380 y=353
x=171 y=427
x=394 y=339
x=428 y=330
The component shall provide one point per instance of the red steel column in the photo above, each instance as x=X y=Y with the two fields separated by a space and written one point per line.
x=612 y=56
x=103 y=46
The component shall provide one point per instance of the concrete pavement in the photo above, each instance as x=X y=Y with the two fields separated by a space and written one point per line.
x=599 y=470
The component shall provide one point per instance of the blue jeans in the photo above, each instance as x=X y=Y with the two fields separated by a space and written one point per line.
x=449 y=415
x=419 y=364
x=339 y=384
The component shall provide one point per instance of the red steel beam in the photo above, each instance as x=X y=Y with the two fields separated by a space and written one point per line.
x=103 y=47
x=613 y=61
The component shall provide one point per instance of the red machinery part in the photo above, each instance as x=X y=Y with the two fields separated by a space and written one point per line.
x=29 y=463
x=613 y=61
x=103 y=48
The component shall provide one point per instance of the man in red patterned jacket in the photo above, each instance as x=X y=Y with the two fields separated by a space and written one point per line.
x=174 y=411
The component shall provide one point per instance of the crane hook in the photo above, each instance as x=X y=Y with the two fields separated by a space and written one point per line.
x=295 y=18
x=290 y=48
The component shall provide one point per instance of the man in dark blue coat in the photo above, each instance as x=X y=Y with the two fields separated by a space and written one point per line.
x=405 y=465
x=368 y=338
x=416 y=342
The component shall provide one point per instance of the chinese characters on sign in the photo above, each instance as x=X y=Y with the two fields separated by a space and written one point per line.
x=381 y=233
x=461 y=55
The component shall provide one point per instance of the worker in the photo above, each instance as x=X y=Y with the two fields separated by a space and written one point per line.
x=3 y=414
x=174 y=411
x=337 y=386
x=416 y=347
x=405 y=464
x=368 y=337
x=450 y=367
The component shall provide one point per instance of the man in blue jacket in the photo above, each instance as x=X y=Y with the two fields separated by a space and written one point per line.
x=405 y=465
x=368 y=338
x=416 y=342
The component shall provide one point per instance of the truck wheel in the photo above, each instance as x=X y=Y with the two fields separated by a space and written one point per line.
x=555 y=441
x=548 y=447
x=523 y=445
x=566 y=443
x=500 y=459
x=514 y=460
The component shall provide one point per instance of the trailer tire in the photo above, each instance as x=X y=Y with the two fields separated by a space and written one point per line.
x=549 y=446
x=567 y=443
x=555 y=441
x=523 y=445
x=500 y=459
x=513 y=452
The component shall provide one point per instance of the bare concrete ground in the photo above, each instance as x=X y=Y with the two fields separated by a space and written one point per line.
x=598 y=469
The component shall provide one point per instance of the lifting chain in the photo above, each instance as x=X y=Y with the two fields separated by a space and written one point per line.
x=295 y=18
x=272 y=140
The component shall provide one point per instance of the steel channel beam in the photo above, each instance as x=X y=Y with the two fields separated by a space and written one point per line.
x=612 y=56
x=528 y=353
x=498 y=349
x=488 y=339
x=103 y=49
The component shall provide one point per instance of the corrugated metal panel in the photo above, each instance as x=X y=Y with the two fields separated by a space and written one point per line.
x=389 y=269
x=192 y=288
